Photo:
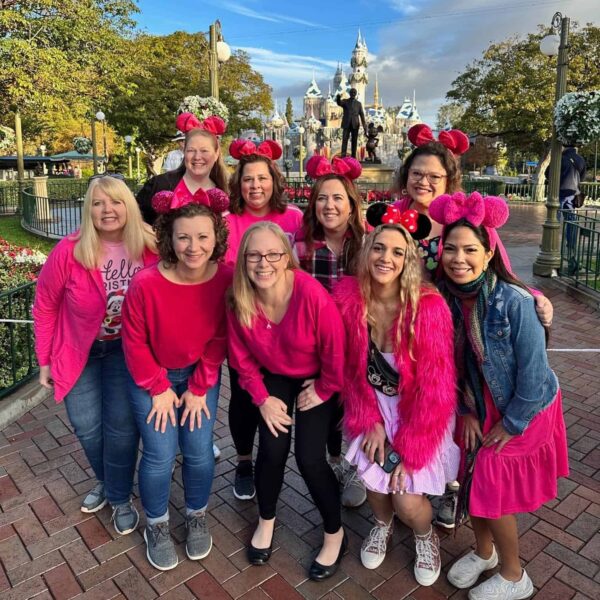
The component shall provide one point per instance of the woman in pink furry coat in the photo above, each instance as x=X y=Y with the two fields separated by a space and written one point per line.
x=400 y=392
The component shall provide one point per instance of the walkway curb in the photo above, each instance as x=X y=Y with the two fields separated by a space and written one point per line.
x=13 y=407
x=588 y=298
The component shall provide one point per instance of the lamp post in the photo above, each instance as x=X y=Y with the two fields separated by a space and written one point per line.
x=301 y=132
x=100 y=116
x=128 y=140
x=218 y=51
x=137 y=161
x=548 y=260
x=286 y=145
x=94 y=146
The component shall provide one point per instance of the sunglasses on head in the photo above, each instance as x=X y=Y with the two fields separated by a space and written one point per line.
x=118 y=176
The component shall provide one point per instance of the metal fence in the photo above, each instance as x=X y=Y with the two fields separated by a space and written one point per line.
x=580 y=247
x=17 y=356
x=9 y=197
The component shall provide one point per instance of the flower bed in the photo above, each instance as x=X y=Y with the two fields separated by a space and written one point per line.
x=18 y=265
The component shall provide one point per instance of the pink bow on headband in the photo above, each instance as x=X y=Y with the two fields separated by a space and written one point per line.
x=491 y=212
x=188 y=121
x=269 y=148
x=165 y=201
x=408 y=219
x=455 y=140
x=319 y=166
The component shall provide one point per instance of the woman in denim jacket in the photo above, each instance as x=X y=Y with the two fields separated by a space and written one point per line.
x=513 y=428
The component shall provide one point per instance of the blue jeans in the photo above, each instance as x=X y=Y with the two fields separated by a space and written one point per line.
x=100 y=412
x=160 y=449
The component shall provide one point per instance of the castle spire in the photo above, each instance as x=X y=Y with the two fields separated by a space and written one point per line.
x=376 y=93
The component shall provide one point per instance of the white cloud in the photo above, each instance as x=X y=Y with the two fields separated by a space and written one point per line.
x=405 y=7
x=243 y=10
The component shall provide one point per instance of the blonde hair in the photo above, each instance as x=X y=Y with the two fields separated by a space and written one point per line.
x=88 y=249
x=243 y=294
x=411 y=282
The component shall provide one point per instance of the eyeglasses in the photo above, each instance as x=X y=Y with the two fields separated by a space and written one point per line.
x=433 y=178
x=272 y=257
x=118 y=176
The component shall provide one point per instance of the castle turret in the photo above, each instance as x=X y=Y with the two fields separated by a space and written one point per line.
x=313 y=100
x=359 y=77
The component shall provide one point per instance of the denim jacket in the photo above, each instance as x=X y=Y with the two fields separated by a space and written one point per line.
x=515 y=365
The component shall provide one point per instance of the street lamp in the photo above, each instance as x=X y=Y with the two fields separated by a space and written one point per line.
x=286 y=144
x=301 y=132
x=548 y=260
x=100 y=116
x=128 y=140
x=218 y=51
x=137 y=161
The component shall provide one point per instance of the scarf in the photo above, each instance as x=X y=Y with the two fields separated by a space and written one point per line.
x=469 y=355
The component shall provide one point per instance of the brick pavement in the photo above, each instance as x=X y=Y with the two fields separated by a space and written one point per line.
x=49 y=549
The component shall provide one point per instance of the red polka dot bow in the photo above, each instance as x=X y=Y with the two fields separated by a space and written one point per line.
x=408 y=218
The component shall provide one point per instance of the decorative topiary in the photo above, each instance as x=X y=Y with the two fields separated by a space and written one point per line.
x=204 y=107
x=82 y=144
x=577 y=118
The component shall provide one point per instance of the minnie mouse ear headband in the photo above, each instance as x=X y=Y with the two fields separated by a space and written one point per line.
x=490 y=211
x=416 y=224
x=455 y=140
x=319 y=166
x=165 y=201
x=188 y=121
x=269 y=148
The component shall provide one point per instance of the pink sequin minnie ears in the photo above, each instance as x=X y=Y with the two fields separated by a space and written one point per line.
x=269 y=148
x=319 y=166
x=188 y=121
x=416 y=224
x=455 y=140
x=490 y=212
x=165 y=201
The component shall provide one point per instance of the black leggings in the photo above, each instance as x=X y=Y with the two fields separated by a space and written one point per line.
x=312 y=429
x=243 y=416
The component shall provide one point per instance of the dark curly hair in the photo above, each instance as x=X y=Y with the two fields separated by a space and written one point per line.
x=449 y=162
x=164 y=231
x=278 y=200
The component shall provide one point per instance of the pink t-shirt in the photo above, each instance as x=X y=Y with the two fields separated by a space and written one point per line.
x=308 y=342
x=290 y=221
x=116 y=270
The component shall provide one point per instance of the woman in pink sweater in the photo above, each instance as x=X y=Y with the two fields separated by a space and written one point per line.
x=257 y=194
x=77 y=323
x=174 y=342
x=399 y=391
x=286 y=341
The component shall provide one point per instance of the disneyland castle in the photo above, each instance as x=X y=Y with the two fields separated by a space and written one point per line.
x=324 y=109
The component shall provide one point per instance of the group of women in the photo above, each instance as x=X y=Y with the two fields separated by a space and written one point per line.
x=415 y=338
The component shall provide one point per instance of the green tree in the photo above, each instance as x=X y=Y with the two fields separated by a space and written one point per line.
x=509 y=92
x=449 y=113
x=289 y=111
x=173 y=67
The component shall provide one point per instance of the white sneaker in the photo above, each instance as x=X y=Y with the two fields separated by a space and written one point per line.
x=374 y=547
x=428 y=563
x=216 y=452
x=466 y=570
x=498 y=588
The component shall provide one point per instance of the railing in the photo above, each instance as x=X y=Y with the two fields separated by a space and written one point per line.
x=580 y=247
x=9 y=197
x=17 y=357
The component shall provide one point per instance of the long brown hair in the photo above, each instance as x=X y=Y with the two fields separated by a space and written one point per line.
x=312 y=229
x=278 y=201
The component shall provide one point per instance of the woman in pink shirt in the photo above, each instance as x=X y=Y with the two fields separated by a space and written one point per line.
x=174 y=341
x=286 y=340
x=257 y=194
x=77 y=322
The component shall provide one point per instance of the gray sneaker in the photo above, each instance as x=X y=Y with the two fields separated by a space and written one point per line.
x=95 y=500
x=125 y=518
x=160 y=549
x=199 y=541
x=354 y=492
x=446 y=512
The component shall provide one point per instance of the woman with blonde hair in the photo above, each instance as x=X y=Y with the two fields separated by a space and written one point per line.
x=399 y=388
x=286 y=341
x=77 y=323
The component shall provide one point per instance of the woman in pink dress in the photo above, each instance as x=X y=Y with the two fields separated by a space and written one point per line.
x=399 y=388
x=513 y=429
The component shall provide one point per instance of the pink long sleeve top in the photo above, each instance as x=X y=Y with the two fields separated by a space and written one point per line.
x=70 y=305
x=167 y=325
x=309 y=341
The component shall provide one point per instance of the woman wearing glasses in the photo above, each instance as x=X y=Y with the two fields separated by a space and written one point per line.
x=257 y=194
x=77 y=322
x=286 y=340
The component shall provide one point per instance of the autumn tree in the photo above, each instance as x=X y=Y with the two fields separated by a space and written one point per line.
x=173 y=67
x=289 y=111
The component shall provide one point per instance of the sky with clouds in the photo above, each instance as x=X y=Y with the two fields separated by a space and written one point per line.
x=419 y=45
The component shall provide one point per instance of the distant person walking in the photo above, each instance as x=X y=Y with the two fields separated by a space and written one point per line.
x=353 y=116
x=174 y=159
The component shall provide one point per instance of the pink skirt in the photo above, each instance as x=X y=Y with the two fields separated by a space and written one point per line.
x=524 y=475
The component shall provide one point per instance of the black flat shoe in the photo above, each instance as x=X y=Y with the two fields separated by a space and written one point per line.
x=259 y=556
x=319 y=572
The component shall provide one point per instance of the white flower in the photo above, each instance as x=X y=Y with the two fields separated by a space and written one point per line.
x=204 y=107
x=577 y=117
x=7 y=138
